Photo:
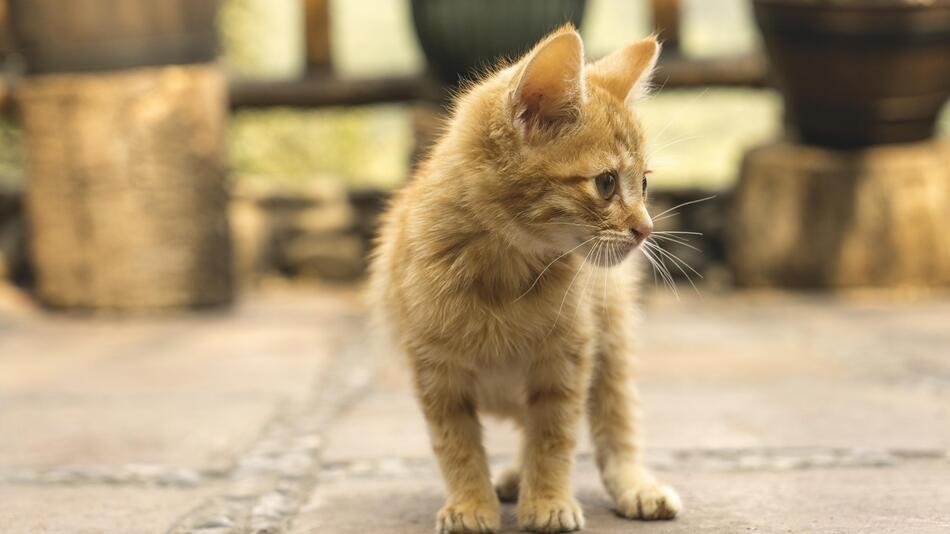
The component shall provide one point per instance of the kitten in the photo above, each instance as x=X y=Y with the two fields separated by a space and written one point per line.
x=537 y=184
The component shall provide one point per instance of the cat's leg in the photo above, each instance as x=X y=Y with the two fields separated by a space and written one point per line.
x=612 y=412
x=456 y=434
x=555 y=403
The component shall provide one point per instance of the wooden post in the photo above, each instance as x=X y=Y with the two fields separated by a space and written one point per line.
x=124 y=125
x=666 y=22
x=317 y=17
x=806 y=216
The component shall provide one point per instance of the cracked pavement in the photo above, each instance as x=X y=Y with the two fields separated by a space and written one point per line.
x=768 y=412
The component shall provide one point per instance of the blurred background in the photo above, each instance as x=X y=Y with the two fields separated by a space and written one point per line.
x=322 y=108
x=188 y=193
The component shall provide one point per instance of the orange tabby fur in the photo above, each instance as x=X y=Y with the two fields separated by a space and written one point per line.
x=504 y=273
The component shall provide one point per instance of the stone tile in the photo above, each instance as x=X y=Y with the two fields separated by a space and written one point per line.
x=795 y=414
x=909 y=498
x=263 y=347
x=193 y=431
x=189 y=391
x=94 y=509
x=727 y=372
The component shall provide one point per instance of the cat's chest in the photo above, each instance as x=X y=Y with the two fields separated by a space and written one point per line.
x=500 y=389
x=525 y=329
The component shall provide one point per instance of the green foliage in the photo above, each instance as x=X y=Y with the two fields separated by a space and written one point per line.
x=363 y=146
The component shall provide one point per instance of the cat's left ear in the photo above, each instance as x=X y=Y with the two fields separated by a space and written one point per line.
x=626 y=73
x=550 y=86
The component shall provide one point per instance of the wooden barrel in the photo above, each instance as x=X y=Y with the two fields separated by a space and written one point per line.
x=127 y=205
x=88 y=35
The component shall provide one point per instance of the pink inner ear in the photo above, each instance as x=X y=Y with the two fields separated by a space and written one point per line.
x=551 y=81
x=531 y=104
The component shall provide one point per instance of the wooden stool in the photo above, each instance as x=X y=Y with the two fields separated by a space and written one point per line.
x=811 y=217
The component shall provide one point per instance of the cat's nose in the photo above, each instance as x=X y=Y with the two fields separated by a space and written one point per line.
x=641 y=230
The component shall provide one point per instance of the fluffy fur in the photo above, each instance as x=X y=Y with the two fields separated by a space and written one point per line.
x=506 y=277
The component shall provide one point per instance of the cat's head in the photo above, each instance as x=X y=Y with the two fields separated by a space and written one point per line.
x=571 y=165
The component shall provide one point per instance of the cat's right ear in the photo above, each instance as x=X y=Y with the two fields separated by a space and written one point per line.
x=550 y=86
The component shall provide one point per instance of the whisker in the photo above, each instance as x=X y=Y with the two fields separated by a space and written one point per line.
x=677 y=240
x=664 y=272
x=590 y=275
x=652 y=265
x=676 y=262
x=683 y=204
x=677 y=232
x=568 y=291
x=610 y=253
x=655 y=151
x=546 y=267
x=682 y=111
x=568 y=223
x=677 y=258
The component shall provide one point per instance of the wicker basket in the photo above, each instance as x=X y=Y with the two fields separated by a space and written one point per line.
x=126 y=201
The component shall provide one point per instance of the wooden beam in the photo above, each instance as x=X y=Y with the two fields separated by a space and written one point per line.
x=332 y=91
x=319 y=52
x=739 y=71
x=666 y=22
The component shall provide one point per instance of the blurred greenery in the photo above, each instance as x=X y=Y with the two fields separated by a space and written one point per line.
x=367 y=146
x=696 y=137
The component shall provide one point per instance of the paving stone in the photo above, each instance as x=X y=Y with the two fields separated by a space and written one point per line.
x=770 y=413
x=911 y=498
x=726 y=372
x=188 y=391
x=94 y=509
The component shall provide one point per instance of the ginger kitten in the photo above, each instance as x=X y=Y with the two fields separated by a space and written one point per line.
x=483 y=271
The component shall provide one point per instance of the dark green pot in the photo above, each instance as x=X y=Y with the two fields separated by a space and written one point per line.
x=459 y=37
x=854 y=74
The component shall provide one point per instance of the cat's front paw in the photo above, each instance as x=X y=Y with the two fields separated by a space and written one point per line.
x=468 y=518
x=550 y=515
x=649 y=502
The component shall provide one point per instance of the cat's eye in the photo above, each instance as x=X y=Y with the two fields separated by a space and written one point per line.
x=644 y=192
x=606 y=185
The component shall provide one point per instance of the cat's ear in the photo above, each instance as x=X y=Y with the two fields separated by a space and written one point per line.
x=550 y=86
x=626 y=73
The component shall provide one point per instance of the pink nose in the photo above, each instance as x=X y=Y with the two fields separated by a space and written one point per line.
x=641 y=230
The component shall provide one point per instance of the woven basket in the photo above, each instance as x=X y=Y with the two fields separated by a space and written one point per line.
x=126 y=200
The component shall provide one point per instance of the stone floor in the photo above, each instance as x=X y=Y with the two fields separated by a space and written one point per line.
x=768 y=412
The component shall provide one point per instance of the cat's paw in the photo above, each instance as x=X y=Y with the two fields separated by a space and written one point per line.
x=550 y=515
x=507 y=484
x=649 y=502
x=467 y=518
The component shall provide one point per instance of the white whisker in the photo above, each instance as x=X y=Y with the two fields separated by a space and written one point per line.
x=662 y=270
x=655 y=151
x=568 y=224
x=677 y=240
x=677 y=232
x=546 y=267
x=682 y=111
x=677 y=263
x=566 y=293
x=658 y=215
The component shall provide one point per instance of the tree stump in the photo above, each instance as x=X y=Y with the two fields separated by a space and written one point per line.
x=127 y=202
x=813 y=217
